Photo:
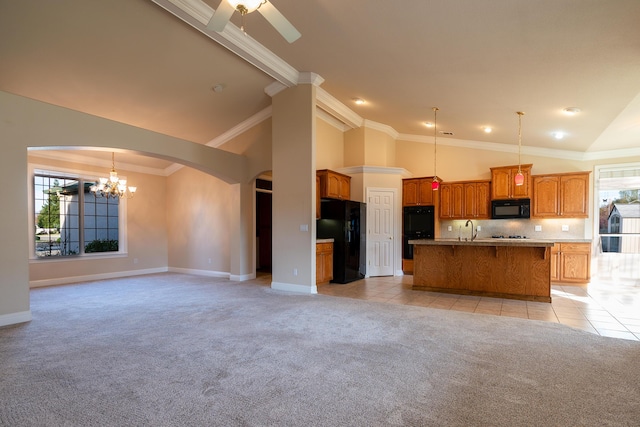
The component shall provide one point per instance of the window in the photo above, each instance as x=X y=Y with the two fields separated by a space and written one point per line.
x=70 y=221
x=619 y=203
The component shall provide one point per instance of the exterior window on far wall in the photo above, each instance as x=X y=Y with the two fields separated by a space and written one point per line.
x=70 y=222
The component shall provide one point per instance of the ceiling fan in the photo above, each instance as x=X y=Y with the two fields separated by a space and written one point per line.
x=226 y=8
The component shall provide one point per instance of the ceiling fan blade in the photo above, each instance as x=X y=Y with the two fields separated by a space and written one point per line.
x=221 y=16
x=279 y=22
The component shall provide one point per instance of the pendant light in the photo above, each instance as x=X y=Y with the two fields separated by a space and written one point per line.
x=435 y=185
x=519 y=178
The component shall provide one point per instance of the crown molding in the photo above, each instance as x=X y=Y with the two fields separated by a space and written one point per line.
x=274 y=88
x=240 y=128
x=227 y=136
x=331 y=120
x=382 y=128
x=307 y=77
x=337 y=109
x=612 y=154
x=379 y=170
x=532 y=151
x=197 y=14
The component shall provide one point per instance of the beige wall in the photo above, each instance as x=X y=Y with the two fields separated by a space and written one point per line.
x=199 y=213
x=354 y=147
x=379 y=148
x=329 y=146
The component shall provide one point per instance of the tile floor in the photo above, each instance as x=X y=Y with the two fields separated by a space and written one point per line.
x=607 y=308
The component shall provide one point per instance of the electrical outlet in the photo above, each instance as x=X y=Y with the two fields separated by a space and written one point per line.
x=135 y=260
x=304 y=227
x=479 y=228
x=565 y=227
x=538 y=228
x=449 y=228
x=209 y=261
x=295 y=271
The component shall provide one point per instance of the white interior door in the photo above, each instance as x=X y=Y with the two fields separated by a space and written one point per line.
x=380 y=232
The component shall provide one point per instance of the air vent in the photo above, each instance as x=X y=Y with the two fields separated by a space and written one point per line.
x=445 y=132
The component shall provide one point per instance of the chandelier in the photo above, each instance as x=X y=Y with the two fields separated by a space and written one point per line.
x=113 y=186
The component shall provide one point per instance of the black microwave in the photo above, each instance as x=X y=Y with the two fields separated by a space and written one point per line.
x=508 y=209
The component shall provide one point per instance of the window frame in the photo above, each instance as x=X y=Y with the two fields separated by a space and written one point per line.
x=82 y=176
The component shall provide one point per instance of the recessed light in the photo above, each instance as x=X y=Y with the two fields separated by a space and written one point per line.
x=487 y=129
x=558 y=135
x=428 y=124
x=358 y=101
x=571 y=111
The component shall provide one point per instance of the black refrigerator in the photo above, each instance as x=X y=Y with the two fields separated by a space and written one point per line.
x=344 y=221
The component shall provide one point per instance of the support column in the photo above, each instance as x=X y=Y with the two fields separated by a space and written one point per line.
x=14 y=252
x=242 y=254
x=294 y=189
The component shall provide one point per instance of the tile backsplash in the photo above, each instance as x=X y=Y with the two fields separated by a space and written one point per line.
x=569 y=228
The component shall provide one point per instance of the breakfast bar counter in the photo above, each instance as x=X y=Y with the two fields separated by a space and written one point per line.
x=503 y=268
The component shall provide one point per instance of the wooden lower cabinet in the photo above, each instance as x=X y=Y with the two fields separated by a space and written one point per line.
x=571 y=262
x=324 y=262
x=407 y=266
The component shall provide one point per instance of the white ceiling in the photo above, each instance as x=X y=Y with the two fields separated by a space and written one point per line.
x=479 y=61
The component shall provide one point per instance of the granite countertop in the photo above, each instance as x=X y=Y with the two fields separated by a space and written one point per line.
x=485 y=242
x=324 y=240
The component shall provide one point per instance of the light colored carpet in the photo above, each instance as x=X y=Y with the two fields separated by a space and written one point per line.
x=180 y=350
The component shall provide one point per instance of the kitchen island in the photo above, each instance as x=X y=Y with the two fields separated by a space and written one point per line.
x=503 y=268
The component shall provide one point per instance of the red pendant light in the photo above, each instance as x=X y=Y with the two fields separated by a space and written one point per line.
x=435 y=184
x=519 y=178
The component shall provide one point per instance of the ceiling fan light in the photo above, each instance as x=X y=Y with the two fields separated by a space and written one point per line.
x=249 y=5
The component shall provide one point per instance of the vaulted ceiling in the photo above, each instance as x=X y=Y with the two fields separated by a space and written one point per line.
x=152 y=64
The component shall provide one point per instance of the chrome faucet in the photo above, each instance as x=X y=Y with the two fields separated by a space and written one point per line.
x=473 y=235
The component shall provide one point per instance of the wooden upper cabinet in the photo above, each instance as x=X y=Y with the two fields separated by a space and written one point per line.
x=483 y=199
x=561 y=195
x=417 y=192
x=334 y=185
x=464 y=200
x=503 y=184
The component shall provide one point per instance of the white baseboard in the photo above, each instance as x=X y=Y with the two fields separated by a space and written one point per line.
x=207 y=273
x=291 y=287
x=91 y=277
x=13 y=318
x=242 y=277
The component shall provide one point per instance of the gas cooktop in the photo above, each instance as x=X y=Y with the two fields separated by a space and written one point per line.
x=496 y=236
